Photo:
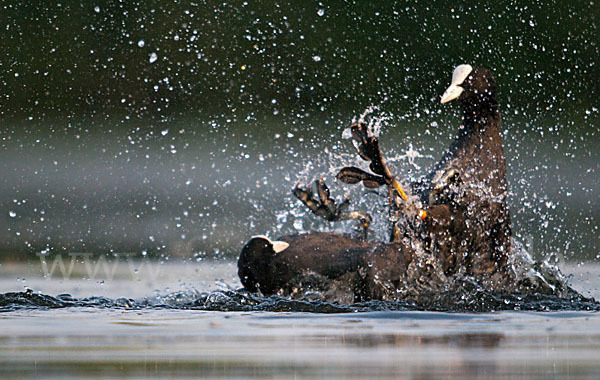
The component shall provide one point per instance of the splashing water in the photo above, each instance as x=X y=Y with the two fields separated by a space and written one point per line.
x=374 y=118
x=459 y=296
x=426 y=277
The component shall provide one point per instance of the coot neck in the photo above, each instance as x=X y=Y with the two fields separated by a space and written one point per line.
x=479 y=116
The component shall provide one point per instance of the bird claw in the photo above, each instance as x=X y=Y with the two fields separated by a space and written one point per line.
x=324 y=206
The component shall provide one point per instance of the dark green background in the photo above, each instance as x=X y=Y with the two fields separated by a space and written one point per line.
x=74 y=61
x=115 y=149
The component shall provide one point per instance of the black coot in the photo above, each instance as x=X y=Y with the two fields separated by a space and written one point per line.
x=327 y=262
x=468 y=187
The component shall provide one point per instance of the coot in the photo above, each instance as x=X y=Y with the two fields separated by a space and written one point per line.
x=469 y=184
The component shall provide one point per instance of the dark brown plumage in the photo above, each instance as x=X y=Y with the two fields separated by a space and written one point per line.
x=327 y=254
x=468 y=188
x=466 y=231
x=368 y=270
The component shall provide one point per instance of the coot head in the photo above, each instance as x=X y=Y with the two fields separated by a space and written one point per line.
x=255 y=260
x=471 y=85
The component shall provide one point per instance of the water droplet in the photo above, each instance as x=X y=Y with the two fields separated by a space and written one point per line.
x=97 y=9
x=347 y=134
x=316 y=58
x=164 y=132
x=321 y=12
x=153 y=57
x=141 y=43
x=298 y=224
x=12 y=214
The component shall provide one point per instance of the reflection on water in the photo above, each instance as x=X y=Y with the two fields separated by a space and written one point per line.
x=150 y=336
x=166 y=344
x=466 y=340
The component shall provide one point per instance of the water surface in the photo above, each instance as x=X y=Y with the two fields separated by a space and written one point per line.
x=124 y=340
x=166 y=343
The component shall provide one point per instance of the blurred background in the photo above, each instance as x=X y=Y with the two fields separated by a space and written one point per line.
x=178 y=129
